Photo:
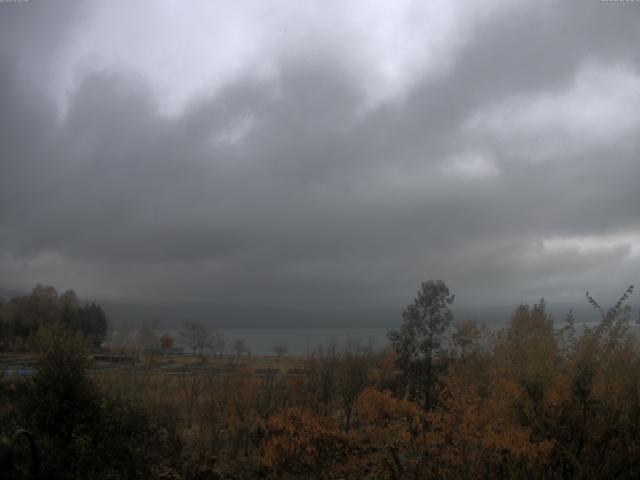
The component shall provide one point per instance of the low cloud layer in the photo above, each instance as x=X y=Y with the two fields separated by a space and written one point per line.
x=320 y=156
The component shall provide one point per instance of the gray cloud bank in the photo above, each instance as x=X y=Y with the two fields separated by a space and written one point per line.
x=510 y=170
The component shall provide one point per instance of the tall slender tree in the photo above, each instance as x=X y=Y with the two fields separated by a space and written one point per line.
x=420 y=338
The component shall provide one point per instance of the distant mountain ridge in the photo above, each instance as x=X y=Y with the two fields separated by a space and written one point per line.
x=7 y=295
x=221 y=316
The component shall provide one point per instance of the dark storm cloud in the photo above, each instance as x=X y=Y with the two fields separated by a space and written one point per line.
x=291 y=190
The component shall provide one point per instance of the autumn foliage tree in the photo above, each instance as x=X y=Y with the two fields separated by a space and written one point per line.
x=304 y=444
x=533 y=399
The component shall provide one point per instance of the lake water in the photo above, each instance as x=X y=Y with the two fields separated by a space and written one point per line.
x=303 y=341
x=298 y=341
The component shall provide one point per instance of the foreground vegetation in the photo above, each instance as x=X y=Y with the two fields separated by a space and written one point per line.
x=446 y=400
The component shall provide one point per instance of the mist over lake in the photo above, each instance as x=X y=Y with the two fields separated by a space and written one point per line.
x=299 y=342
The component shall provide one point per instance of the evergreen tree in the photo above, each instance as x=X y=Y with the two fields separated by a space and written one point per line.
x=419 y=339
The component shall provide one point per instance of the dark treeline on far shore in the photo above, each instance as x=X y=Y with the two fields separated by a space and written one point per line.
x=23 y=316
x=446 y=399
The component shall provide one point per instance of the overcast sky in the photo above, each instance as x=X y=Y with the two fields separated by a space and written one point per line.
x=306 y=153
